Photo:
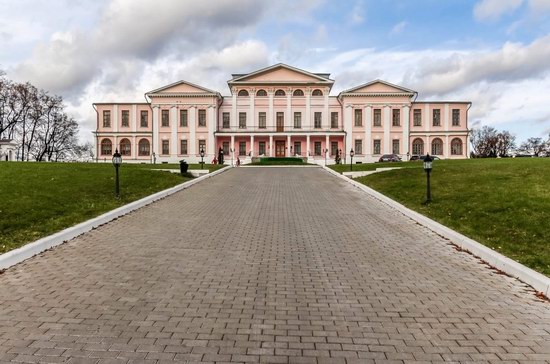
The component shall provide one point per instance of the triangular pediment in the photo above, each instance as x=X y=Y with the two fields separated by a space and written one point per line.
x=182 y=87
x=378 y=86
x=280 y=73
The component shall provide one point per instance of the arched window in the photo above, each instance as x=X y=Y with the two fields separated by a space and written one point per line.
x=437 y=146
x=261 y=93
x=317 y=92
x=298 y=93
x=144 y=148
x=125 y=147
x=418 y=146
x=456 y=146
x=280 y=93
x=243 y=93
x=106 y=147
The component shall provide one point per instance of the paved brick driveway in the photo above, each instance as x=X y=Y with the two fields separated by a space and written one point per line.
x=266 y=265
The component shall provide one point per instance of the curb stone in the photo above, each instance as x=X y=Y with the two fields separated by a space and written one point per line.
x=29 y=250
x=538 y=281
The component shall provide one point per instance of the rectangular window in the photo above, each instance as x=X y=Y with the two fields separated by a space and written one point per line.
x=436 y=117
x=297 y=120
x=202 y=117
x=183 y=119
x=456 y=117
x=334 y=120
x=261 y=148
x=165 y=121
x=183 y=147
x=225 y=120
x=358 y=117
x=395 y=146
x=242 y=120
x=376 y=146
x=280 y=121
x=333 y=148
x=261 y=120
x=358 y=146
x=144 y=118
x=377 y=117
x=417 y=117
x=125 y=118
x=317 y=149
x=165 y=147
x=106 y=118
x=396 y=117
x=202 y=145
x=317 y=116
x=242 y=148
x=297 y=148
x=225 y=147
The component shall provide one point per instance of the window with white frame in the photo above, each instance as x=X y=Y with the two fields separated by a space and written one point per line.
x=334 y=120
x=242 y=148
x=358 y=146
x=456 y=146
x=358 y=117
x=183 y=147
x=165 y=147
x=436 y=117
x=225 y=120
x=262 y=120
x=125 y=122
x=456 y=117
x=297 y=148
x=437 y=146
x=418 y=146
x=183 y=118
x=106 y=118
x=317 y=148
x=395 y=146
x=165 y=118
x=297 y=120
x=377 y=117
x=396 y=117
x=317 y=117
x=144 y=118
x=202 y=117
x=242 y=120
x=417 y=117
x=376 y=146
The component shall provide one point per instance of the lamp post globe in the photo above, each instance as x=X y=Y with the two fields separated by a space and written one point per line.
x=351 y=154
x=428 y=168
x=202 y=157
x=117 y=161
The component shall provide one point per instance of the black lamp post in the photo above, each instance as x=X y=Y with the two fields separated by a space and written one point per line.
x=326 y=151
x=117 y=161
x=428 y=168
x=202 y=157
x=351 y=154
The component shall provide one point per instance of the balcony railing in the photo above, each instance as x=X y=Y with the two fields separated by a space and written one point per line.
x=278 y=129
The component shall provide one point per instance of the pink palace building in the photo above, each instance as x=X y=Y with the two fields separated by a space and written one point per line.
x=281 y=111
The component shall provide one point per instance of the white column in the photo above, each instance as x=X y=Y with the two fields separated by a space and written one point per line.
x=288 y=146
x=156 y=111
x=270 y=111
x=426 y=119
x=307 y=146
x=387 y=136
x=327 y=141
x=348 y=129
x=134 y=147
x=307 y=117
x=252 y=146
x=467 y=146
x=174 y=131
x=115 y=118
x=289 y=118
x=192 y=115
x=367 y=144
x=446 y=117
x=326 y=116
x=232 y=147
x=134 y=119
x=233 y=120
x=446 y=147
x=252 y=109
x=406 y=130
x=210 y=122
x=271 y=145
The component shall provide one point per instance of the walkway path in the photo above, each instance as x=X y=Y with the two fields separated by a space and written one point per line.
x=273 y=265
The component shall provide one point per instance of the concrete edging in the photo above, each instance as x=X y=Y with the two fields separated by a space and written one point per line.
x=29 y=250
x=538 y=281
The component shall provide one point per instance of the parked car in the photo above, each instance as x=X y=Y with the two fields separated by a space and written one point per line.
x=389 y=158
x=415 y=157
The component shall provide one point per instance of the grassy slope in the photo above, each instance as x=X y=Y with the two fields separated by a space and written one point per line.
x=38 y=199
x=372 y=166
x=502 y=203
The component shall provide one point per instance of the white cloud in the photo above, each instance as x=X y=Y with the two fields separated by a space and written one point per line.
x=357 y=15
x=494 y=9
x=398 y=28
x=539 y=5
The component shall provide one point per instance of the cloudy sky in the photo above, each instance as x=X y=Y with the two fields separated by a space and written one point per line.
x=495 y=53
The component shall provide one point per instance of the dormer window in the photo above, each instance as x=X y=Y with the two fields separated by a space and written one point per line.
x=243 y=93
x=280 y=93
x=261 y=93
x=298 y=93
x=317 y=92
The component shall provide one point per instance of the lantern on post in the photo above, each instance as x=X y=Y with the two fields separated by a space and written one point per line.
x=117 y=161
x=351 y=154
x=428 y=168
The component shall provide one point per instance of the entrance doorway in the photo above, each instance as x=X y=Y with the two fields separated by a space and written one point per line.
x=279 y=148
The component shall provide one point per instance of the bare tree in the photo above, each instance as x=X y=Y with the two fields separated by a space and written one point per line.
x=534 y=146
x=506 y=142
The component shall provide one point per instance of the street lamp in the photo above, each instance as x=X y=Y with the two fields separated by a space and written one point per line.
x=231 y=150
x=202 y=157
x=351 y=154
x=117 y=161
x=428 y=168
x=326 y=151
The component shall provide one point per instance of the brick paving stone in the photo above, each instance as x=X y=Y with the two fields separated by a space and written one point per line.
x=274 y=265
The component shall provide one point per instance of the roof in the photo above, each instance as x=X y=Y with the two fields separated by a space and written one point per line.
x=400 y=88
x=322 y=77
x=182 y=82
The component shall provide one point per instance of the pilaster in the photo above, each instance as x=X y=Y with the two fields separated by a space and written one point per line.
x=406 y=130
x=326 y=116
x=252 y=146
x=386 y=122
x=348 y=129
x=174 y=131
x=115 y=118
x=210 y=122
x=233 y=120
x=134 y=119
x=252 y=108
x=288 y=146
x=156 y=111
x=426 y=118
x=192 y=115
x=307 y=117
x=367 y=144
x=270 y=123
x=289 y=119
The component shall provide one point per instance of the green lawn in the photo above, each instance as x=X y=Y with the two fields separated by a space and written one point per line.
x=502 y=203
x=372 y=166
x=38 y=199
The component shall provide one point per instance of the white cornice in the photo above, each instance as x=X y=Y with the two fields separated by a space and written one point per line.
x=376 y=94
x=184 y=94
